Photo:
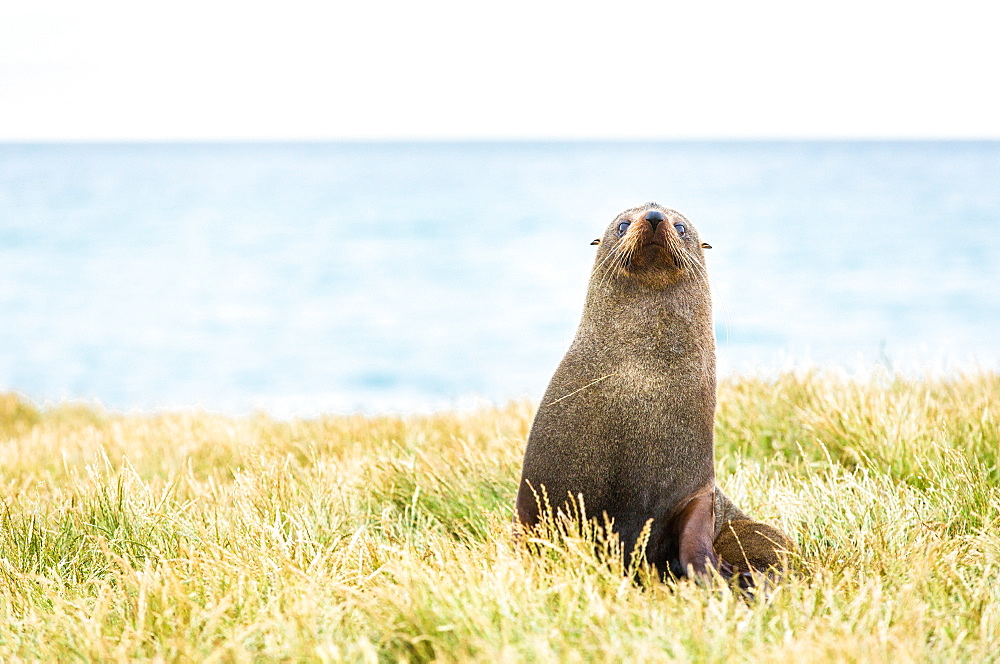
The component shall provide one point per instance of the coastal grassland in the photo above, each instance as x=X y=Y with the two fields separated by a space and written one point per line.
x=201 y=537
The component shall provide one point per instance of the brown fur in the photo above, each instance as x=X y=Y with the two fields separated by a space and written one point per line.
x=627 y=420
x=752 y=546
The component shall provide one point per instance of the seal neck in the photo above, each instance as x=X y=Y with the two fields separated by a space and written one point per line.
x=686 y=299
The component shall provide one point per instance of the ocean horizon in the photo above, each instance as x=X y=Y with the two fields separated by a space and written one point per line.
x=300 y=278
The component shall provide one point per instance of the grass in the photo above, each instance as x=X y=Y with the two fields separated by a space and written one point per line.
x=200 y=537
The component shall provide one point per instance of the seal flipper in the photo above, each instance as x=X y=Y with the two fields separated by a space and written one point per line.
x=752 y=546
x=694 y=525
x=745 y=545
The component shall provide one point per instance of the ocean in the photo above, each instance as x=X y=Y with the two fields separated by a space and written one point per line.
x=336 y=277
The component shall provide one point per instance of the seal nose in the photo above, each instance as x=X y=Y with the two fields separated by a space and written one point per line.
x=654 y=217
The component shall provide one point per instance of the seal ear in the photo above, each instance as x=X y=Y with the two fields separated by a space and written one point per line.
x=597 y=241
x=706 y=245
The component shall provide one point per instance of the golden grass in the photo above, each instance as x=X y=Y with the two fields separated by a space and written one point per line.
x=199 y=537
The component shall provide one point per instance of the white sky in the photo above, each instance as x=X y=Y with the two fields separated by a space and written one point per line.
x=221 y=69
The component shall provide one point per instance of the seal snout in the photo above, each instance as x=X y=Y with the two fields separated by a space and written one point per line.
x=654 y=217
x=646 y=248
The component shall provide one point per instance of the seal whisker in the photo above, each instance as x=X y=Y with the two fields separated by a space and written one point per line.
x=602 y=270
x=598 y=265
x=610 y=262
x=696 y=268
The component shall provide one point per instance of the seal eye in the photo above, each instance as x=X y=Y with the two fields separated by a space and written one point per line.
x=681 y=229
x=622 y=227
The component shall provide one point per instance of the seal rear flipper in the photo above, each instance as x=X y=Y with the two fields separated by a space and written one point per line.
x=751 y=546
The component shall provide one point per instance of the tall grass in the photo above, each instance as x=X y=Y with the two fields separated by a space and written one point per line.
x=199 y=537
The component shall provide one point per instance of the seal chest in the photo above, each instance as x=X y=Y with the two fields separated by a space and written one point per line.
x=627 y=419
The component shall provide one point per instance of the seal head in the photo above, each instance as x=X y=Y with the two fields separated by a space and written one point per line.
x=651 y=245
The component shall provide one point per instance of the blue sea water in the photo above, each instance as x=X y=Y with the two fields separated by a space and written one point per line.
x=300 y=278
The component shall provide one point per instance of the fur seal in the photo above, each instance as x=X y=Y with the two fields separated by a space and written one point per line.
x=627 y=419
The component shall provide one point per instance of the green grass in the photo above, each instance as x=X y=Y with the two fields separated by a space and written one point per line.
x=199 y=537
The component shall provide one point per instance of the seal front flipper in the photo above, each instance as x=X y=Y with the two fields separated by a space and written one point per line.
x=694 y=526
